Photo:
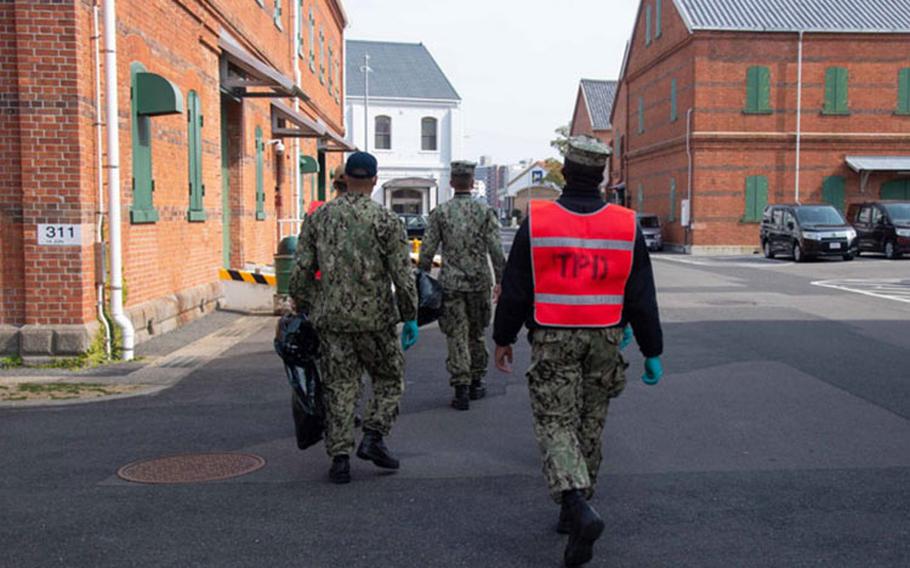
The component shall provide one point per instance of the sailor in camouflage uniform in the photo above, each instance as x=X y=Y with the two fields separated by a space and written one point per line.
x=361 y=250
x=468 y=232
x=578 y=273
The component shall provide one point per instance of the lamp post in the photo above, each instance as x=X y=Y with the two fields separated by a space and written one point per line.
x=366 y=70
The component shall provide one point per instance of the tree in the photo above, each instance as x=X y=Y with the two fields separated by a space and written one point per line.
x=554 y=172
x=561 y=142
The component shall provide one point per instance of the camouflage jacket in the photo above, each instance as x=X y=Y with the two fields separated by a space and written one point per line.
x=468 y=231
x=361 y=250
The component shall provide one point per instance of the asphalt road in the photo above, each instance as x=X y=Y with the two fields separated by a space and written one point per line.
x=779 y=437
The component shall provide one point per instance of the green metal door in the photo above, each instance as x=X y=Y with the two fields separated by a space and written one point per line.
x=225 y=189
x=898 y=190
x=834 y=192
x=320 y=158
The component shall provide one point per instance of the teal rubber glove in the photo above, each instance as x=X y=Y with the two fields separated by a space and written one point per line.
x=409 y=334
x=654 y=371
x=626 y=338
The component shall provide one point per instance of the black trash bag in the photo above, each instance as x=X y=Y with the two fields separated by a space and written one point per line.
x=429 y=298
x=297 y=343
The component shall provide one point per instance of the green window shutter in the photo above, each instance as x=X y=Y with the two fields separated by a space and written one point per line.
x=671 y=216
x=658 y=19
x=836 y=91
x=331 y=68
x=903 y=91
x=648 y=24
x=321 y=57
x=276 y=14
x=312 y=41
x=898 y=190
x=300 y=28
x=673 y=109
x=260 y=190
x=194 y=149
x=758 y=90
x=641 y=197
x=834 y=192
x=143 y=208
x=641 y=114
x=756 y=198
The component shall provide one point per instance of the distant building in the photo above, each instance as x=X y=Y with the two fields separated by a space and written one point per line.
x=786 y=105
x=528 y=184
x=593 y=107
x=413 y=126
x=494 y=178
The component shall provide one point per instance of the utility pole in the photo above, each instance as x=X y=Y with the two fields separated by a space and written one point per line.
x=366 y=70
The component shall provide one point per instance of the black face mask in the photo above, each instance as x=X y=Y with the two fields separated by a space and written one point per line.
x=582 y=180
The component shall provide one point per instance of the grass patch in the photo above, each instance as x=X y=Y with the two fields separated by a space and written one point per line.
x=61 y=391
x=10 y=362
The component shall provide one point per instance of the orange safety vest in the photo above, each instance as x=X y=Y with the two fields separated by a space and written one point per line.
x=581 y=264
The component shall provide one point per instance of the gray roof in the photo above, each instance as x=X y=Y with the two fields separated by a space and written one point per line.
x=400 y=70
x=879 y=163
x=599 y=97
x=842 y=16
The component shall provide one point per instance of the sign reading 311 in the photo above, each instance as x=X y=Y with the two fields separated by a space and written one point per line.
x=60 y=235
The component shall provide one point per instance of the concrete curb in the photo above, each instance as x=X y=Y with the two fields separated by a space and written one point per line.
x=159 y=375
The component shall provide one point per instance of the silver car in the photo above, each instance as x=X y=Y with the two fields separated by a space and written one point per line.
x=650 y=228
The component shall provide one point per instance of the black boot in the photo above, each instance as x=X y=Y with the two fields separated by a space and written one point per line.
x=478 y=390
x=461 y=401
x=373 y=449
x=564 y=526
x=340 y=472
x=586 y=528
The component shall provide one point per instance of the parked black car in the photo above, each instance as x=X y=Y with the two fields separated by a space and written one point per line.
x=416 y=225
x=650 y=228
x=882 y=226
x=806 y=231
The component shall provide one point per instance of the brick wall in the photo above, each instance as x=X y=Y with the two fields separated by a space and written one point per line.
x=729 y=144
x=48 y=151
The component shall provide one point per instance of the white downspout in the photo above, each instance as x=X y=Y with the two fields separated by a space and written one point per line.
x=689 y=114
x=799 y=113
x=298 y=16
x=99 y=222
x=113 y=184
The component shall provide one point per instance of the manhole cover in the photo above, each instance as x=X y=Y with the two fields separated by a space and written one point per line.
x=191 y=468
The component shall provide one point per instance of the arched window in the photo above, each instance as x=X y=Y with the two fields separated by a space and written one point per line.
x=383 y=133
x=428 y=130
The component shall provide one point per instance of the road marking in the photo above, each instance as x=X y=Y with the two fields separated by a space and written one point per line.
x=724 y=262
x=886 y=289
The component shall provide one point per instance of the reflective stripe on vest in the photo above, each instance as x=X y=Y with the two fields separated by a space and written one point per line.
x=581 y=264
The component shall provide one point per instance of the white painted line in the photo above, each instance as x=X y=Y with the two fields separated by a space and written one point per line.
x=871 y=288
x=759 y=263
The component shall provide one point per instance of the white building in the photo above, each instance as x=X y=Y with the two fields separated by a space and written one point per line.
x=413 y=124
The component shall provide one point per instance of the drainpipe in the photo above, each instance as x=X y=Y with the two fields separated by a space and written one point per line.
x=113 y=183
x=296 y=165
x=689 y=114
x=799 y=113
x=101 y=277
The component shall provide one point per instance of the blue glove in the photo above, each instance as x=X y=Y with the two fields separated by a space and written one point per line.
x=654 y=371
x=409 y=334
x=626 y=338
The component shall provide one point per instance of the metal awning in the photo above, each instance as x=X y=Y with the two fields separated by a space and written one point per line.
x=879 y=163
x=332 y=142
x=865 y=166
x=410 y=183
x=289 y=123
x=241 y=71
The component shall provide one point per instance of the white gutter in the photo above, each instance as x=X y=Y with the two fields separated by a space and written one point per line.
x=799 y=113
x=101 y=276
x=297 y=79
x=113 y=165
x=689 y=114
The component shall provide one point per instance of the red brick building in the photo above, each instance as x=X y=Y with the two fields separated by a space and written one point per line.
x=593 y=107
x=744 y=104
x=231 y=113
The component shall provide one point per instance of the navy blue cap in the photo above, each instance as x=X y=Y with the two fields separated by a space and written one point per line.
x=361 y=165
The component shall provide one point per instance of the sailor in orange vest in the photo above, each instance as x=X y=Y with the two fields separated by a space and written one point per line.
x=578 y=274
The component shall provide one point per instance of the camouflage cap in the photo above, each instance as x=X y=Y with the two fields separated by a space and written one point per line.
x=587 y=151
x=463 y=168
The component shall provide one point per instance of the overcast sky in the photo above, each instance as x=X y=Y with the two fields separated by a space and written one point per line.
x=515 y=63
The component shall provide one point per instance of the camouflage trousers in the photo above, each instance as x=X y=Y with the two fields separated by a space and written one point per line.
x=465 y=317
x=345 y=356
x=573 y=375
